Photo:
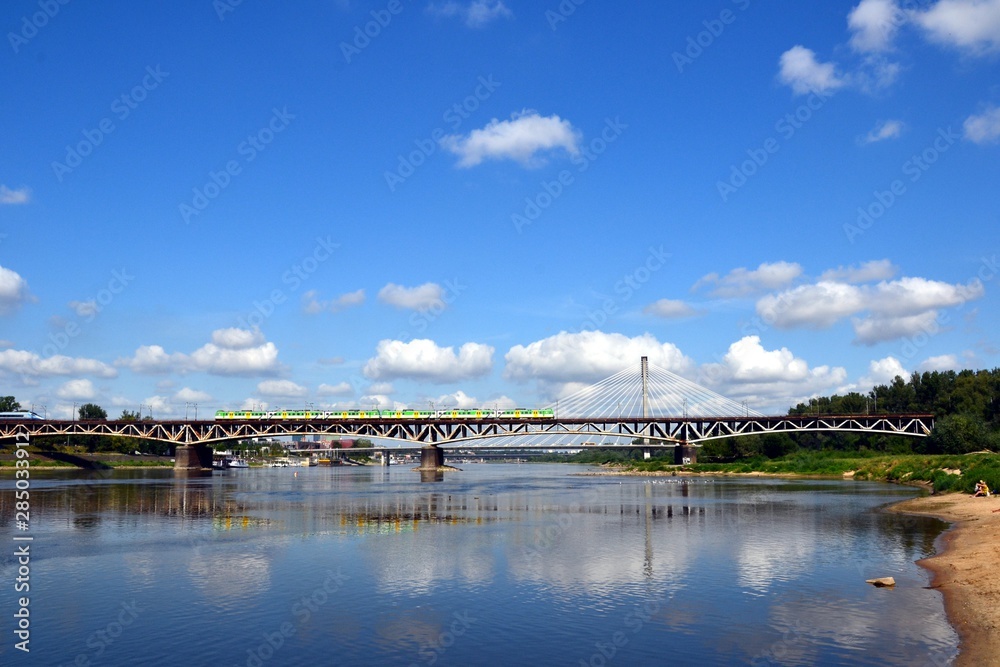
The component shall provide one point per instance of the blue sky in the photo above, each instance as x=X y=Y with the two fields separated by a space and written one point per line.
x=478 y=203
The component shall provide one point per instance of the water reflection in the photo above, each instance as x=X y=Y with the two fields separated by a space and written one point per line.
x=707 y=571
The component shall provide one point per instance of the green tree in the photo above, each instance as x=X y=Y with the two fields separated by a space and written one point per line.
x=9 y=404
x=92 y=411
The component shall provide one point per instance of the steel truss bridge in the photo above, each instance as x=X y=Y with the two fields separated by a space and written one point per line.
x=646 y=432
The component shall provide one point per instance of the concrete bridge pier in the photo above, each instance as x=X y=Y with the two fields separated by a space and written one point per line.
x=431 y=457
x=647 y=454
x=685 y=453
x=193 y=457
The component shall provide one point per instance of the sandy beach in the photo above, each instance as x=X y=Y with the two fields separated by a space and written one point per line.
x=966 y=570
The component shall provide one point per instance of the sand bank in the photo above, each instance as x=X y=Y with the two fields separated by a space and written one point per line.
x=967 y=570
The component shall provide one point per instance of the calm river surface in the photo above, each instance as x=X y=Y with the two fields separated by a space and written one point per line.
x=494 y=565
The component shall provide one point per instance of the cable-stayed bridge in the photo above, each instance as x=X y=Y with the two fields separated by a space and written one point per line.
x=646 y=407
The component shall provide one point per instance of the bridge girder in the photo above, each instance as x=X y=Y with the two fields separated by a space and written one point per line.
x=666 y=431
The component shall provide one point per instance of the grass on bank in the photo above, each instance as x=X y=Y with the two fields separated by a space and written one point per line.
x=943 y=472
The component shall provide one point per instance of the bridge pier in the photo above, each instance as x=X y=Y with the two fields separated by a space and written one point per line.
x=647 y=454
x=431 y=457
x=193 y=457
x=685 y=453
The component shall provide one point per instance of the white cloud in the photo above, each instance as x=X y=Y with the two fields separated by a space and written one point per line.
x=588 y=356
x=13 y=290
x=84 y=308
x=890 y=129
x=281 y=389
x=458 y=400
x=215 y=360
x=769 y=380
x=475 y=14
x=381 y=388
x=895 y=308
x=874 y=24
x=29 y=364
x=8 y=196
x=876 y=269
x=801 y=71
x=983 y=128
x=231 y=352
x=188 y=395
x=877 y=329
x=77 y=390
x=943 y=362
x=341 y=389
x=312 y=305
x=421 y=297
x=423 y=359
x=970 y=25
x=520 y=139
x=743 y=282
x=670 y=308
x=237 y=339
x=882 y=371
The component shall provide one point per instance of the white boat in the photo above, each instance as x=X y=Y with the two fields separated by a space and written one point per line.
x=238 y=463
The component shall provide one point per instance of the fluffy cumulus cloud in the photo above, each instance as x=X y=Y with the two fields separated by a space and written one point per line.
x=983 y=128
x=873 y=25
x=522 y=139
x=423 y=359
x=800 y=70
x=882 y=371
x=13 y=290
x=77 y=390
x=458 y=400
x=670 y=309
x=877 y=269
x=19 y=196
x=888 y=310
x=421 y=297
x=769 y=380
x=942 y=362
x=30 y=365
x=475 y=14
x=281 y=389
x=231 y=352
x=970 y=25
x=340 y=389
x=889 y=129
x=588 y=356
x=188 y=395
x=312 y=304
x=744 y=282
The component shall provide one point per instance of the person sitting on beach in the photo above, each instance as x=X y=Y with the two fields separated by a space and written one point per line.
x=981 y=489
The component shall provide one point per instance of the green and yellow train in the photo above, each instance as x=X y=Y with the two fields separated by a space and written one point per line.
x=474 y=413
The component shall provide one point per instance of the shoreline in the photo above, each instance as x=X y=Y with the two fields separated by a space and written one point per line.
x=964 y=570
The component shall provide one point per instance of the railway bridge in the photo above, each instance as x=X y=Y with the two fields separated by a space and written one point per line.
x=654 y=410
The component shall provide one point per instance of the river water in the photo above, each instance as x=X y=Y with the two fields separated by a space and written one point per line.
x=494 y=565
